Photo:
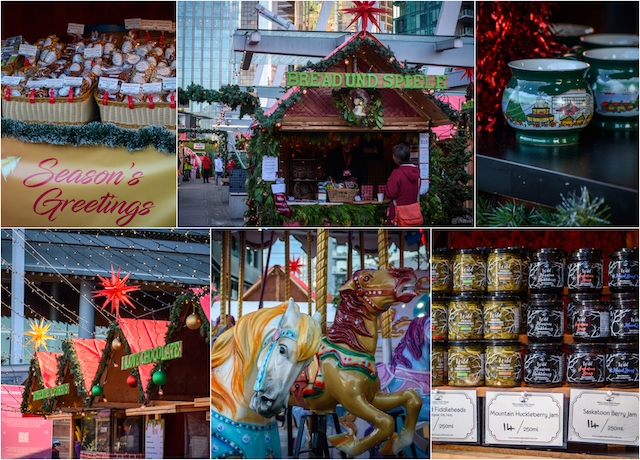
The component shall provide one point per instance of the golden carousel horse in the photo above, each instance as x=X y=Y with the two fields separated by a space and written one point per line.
x=344 y=371
x=253 y=366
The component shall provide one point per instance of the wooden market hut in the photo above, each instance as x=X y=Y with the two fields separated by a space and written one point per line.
x=182 y=403
x=408 y=111
x=43 y=373
x=275 y=287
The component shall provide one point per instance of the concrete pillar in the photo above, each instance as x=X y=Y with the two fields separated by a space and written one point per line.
x=54 y=314
x=86 y=323
x=17 y=296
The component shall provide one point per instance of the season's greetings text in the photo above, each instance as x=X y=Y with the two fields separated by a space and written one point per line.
x=54 y=200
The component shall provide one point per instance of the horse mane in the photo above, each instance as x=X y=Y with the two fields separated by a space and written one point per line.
x=242 y=344
x=413 y=341
x=345 y=329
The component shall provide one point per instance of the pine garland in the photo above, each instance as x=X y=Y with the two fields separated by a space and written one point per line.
x=35 y=373
x=69 y=355
x=92 y=134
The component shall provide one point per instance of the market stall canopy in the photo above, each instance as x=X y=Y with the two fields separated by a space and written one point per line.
x=187 y=375
x=78 y=366
x=43 y=373
x=275 y=287
x=406 y=106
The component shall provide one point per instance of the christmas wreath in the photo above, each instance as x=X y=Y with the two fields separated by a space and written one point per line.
x=359 y=107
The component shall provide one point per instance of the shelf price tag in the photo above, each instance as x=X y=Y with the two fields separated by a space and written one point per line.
x=454 y=415
x=28 y=50
x=524 y=418
x=603 y=417
x=108 y=84
x=169 y=84
x=75 y=29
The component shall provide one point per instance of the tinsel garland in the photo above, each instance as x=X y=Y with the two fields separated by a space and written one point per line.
x=507 y=31
x=92 y=134
x=223 y=135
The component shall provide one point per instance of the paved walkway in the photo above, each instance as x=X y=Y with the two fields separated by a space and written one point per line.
x=200 y=205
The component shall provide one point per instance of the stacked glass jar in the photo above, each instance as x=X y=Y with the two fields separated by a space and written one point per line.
x=477 y=310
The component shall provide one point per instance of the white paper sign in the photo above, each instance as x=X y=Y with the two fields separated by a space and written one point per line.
x=154 y=439
x=109 y=84
x=269 y=168
x=155 y=87
x=603 y=417
x=454 y=414
x=198 y=146
x=154 y=24
x=11 y=81
x=520 y=418
x=75 y=29
x=76 y=81
x=36 y=83
x=132 y=24
x=424 y=176
x=424 y=147
x=130 y=88
x=27 y=50
x=93 y=52
x=54 y=83
x=169 y=84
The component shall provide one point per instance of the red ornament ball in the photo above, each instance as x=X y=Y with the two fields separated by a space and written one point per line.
x=132 y=381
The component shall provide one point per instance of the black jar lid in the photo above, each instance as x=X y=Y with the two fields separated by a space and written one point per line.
x=599 y=305
x=553 y=304
x=586 y=347
x=578 y=296
x=625 y=254
x=466 y=297
x=586 y=253
x=545 y=296
x=507 y=250
x=439 y=296
x=501 y=297
x=469 y=251
x=629 y=295
x=624 y=303
x=550 y=252
x=534 y=346
x=466 y=343
x=502 y=343
x=623 y=346
x=442 y=252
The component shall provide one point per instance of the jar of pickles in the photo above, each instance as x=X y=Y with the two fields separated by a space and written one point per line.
x=439 y=364
x=585 y=270
x=506 y=270
x=439 y=324
x=585 y=364
x=464 y=318
x=547 y=270
x=503 y=363
x=545 y=320
x=501 y=317
x=543 y=364
x=465 y=364
x=623 y=270
x=469 y=270
x=441 y=271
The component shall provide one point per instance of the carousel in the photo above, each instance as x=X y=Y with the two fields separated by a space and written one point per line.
x=347 y=373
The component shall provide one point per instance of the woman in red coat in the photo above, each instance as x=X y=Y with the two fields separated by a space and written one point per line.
x=404 y=183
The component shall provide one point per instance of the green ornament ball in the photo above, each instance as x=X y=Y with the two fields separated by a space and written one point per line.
x=97 y=390
x=159 y=378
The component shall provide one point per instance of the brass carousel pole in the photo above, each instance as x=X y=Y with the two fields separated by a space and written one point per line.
x=322 y=252
x=383 y=264
x=361 y=249
x=229 y=277
x=309 y=274
x=243 y=245
x=350 y=255
x=287 y=266
x=223 y=281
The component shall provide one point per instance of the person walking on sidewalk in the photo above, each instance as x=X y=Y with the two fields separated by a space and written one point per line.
x=218 y=167
x=206 y=168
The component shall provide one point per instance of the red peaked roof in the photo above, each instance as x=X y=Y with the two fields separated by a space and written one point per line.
x=48 y=364
x=143 y=334
x=89 y=352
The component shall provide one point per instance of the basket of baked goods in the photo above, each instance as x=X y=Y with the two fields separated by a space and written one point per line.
x=341 y=192
x=139 y=89
x=54 y=85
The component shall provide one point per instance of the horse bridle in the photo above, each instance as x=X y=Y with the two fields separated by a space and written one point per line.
x=271 y=343
x=364 y=293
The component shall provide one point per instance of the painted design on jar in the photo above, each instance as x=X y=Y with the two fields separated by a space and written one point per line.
x=622 y=367
x=465 y=365
x=544 y=322
x=586 y=367
x=441 y=279
x=503 y=367
x=623 y=270
x=545 y=275
x=543 y=368
x=469 y=272
x=624 y=321
x=438 y=364
x=501 y=319
x=505 y=271
x=590 y=321
x=465 y=320
x=537 y=110
x=584 y=275
x=439 y=329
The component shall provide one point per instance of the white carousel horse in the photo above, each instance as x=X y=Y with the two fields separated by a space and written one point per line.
x=253 y=366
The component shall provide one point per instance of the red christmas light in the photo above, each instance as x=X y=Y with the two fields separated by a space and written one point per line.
x=116 y=291
x=366 y=11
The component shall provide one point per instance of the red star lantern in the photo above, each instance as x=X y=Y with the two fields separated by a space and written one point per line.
x=116 y=291
x=295 y=266
x=366 y=11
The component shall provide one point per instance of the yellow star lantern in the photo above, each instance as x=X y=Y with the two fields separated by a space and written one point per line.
x=39 y=334
x=116 y=291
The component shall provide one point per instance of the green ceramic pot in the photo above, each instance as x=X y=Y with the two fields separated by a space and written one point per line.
x=613 y=78
x=569 y=34
x=608 y=40
x=548 y=101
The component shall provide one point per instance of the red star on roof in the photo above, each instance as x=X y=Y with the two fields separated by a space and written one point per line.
x=366 y=11
x=295 y=266
x=116 y=291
